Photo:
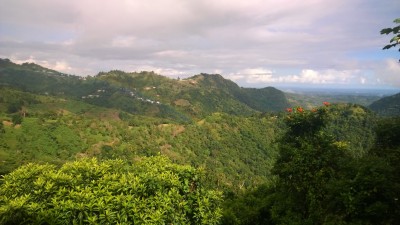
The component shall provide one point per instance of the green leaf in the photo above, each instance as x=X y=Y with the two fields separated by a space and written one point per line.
x=388 y=46
x=386 y=31
x=395 y=39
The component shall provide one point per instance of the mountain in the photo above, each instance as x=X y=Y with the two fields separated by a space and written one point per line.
x=267 y=99
x=387 y=106
x=146 y=93
x=35 y=79
x=201 y=94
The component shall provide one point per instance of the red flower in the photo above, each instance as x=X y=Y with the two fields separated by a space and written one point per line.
x=300 y=110
x=289 y=110
x=326 y=103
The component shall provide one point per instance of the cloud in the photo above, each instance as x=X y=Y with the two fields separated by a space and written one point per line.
x=262 y=77
x=389 y=72
x=314 y=39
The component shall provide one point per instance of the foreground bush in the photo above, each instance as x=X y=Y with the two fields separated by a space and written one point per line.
x=152 y=191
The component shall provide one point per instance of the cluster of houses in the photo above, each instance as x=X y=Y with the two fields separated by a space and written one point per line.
x=97 y=95
x=132 y=94
x=148 y=100
x=126 y=91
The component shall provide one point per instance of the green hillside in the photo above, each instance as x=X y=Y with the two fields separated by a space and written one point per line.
x=234 y=149
x=202 y=94
x=92 y=90
x=387 y=106
x=146 y=93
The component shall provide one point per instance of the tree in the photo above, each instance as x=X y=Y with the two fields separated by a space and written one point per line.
x=14 y=107
x=308 y=162
x=16 y=119
x=368 y=191
x=152 y=191
x=321 y=178
x=396 y=31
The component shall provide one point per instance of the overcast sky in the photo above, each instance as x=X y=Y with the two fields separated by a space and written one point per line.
x=256 y=43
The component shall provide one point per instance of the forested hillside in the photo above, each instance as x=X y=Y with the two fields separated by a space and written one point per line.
x=238 y=151
x=146 y=149
x=146 y=93
x=387 y=106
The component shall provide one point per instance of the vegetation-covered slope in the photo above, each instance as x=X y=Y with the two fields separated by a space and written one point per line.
x=237 y=151
x=35 y=79
x=146 y=93
x=387 y=106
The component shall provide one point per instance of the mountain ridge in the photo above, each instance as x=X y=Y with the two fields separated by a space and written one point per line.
x=387 y=106
x=146 y=92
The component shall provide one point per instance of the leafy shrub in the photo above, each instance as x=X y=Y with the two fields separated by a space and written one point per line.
x=152 y=191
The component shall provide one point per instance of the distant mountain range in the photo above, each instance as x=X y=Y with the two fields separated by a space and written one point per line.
x=146 y=93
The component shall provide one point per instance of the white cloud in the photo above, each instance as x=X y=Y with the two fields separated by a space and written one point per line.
x=389 y=72
x=61 y=66
x=252 y=75
x=123 y=41
x=172 y=53
x=262 y=76
x=54 y=65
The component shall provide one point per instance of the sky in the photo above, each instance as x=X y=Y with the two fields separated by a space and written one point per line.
x=255 y=43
